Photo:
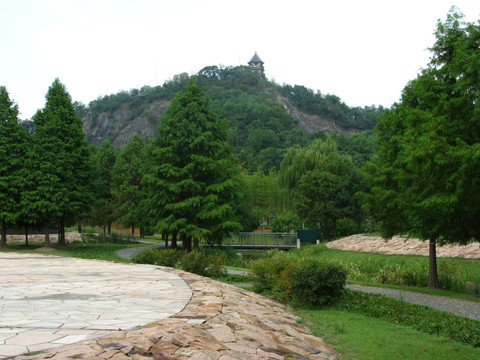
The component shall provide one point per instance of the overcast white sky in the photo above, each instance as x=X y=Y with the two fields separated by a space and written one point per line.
x=362 y=51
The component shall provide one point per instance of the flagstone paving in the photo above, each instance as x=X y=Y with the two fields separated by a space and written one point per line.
x=49 y=301
x=219 y=321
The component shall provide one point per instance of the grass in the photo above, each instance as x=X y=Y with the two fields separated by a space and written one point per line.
x=360 y=337
x=89 y=250
x=404 y=270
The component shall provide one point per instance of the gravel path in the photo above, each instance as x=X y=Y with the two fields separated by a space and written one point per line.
x=458 y=307
x=131 y=252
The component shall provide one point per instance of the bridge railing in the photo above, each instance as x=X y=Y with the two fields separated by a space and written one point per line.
x=266 y=240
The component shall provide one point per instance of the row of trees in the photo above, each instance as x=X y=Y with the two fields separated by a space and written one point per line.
x=45 y=178
x=185 y=182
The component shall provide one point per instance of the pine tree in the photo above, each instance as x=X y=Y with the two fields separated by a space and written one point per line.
x=60 y=163
x=127 y=183
x=194 y=183
x=13 y=140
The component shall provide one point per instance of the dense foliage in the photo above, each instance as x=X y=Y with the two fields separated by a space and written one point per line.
x=332 y=107
x=323 y=183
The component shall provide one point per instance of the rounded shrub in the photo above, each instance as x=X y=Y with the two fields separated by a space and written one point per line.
x=266 y=272
x=314 y=282
x=196 y=262
x=168 y=257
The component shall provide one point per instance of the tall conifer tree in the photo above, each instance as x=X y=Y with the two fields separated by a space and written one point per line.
x=13 y=140
x=194 y=182
x=60 y=162
x=425 y=176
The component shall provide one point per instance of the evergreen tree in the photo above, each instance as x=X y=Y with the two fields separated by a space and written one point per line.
x=103 y=207
x=13 y=140
x=59 y=163
x=425 y=176
x=194 y=183
x=127 y=183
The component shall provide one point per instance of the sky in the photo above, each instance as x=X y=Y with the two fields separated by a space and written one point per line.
x=365 y=51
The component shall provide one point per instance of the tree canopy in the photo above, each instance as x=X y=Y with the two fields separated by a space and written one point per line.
x=324 y=184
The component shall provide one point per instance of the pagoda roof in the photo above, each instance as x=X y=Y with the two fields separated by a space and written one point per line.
x=255 y=59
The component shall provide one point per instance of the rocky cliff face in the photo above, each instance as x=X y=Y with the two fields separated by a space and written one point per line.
x=311 y=123
x=120 y=125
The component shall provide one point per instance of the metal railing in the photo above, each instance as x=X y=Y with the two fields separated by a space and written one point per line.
x=266 y=240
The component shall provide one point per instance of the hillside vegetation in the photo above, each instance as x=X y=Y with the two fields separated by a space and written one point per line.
x=264 y=118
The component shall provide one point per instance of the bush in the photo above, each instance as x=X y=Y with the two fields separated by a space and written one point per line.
x=196 y=262
x=158 y=257
x=266 y=273
x=303 y=280
x=314 y=282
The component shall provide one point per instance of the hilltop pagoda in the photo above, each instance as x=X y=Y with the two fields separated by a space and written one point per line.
x=256 y=64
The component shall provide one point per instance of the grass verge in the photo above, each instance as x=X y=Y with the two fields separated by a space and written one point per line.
x=359 y=337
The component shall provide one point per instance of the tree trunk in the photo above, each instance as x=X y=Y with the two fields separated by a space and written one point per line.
x=47 y=235
x=79 y=228
x=142 y=232
x=26 y=235
x=61 y=233
x=3 y=241
x=110 y=229
x=104 y=234
x=174 y=240
x=133 y=230
x=195 y=243
x=432 y=265
x=165 y=237
x=334 y=228
x=186 y=242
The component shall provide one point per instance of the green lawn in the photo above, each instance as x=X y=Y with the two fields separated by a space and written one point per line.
x=359 y=337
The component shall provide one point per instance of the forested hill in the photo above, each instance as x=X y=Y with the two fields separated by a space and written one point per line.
x=264 y=118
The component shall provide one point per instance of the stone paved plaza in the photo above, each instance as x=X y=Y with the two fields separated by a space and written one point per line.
x=64 y=308
x=49 y=301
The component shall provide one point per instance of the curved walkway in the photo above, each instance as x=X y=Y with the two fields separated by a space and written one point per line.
x=458 y=307
x=49 y=301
